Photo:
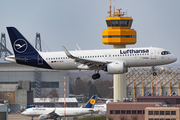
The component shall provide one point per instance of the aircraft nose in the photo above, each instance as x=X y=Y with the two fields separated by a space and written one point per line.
x=23 y=113
x=174 y=58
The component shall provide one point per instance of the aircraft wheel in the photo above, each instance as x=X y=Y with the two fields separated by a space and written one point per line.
x=98 y=75
x=94 y=77
x=154 y=74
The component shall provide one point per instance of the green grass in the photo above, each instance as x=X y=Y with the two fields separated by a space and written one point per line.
x=94 y=118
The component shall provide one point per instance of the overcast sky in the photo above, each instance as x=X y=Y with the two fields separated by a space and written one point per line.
x=67 y=22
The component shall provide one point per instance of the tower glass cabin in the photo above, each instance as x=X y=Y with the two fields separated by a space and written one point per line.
x=119 y=30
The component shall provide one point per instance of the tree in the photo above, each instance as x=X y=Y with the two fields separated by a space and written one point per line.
x=103 y=88
x=71 y=88
x=110 y=118
x=123 y=118
x=80 y=87
x=92 y=90
x=53 y=93
x=134 y=117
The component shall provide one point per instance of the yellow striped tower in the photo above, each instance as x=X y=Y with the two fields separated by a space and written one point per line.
x=119 y=34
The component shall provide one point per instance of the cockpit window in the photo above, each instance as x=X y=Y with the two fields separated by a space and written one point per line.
x=165 y=52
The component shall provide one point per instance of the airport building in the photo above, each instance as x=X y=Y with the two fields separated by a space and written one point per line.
x=141 y=82
x=146 y=108
x=19 y=84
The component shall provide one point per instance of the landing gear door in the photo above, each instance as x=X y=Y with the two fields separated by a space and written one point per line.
x=153 y=54
x=40 y=60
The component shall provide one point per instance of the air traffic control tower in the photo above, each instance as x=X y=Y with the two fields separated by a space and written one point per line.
x=119 y=34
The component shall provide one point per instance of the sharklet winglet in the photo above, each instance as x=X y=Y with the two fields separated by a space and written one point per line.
x=68 y=53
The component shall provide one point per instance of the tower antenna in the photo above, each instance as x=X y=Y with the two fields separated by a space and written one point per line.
x=110 y=9
x=114 y=8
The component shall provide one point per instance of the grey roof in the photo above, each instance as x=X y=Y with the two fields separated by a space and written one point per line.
x=8 y=87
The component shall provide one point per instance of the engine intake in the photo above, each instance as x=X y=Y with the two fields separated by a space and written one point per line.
x=115 y=68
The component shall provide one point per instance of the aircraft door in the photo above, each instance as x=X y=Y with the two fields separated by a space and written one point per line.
x=40 y=60
x=153 y=54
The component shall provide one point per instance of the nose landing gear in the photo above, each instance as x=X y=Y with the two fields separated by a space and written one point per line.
x=154 y=73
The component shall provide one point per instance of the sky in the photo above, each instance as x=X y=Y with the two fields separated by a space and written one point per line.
x=70 y=22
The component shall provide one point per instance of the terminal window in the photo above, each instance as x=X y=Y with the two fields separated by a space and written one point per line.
x=122 y=111
x=117 y=111
x=128 y=111
x=167 y=112
x=139 y=111
x=173 y=112
x=133 y=111
x=161 y=112
x=150 y=113
x=46 y=85
x=156 y=112
x=112 y=111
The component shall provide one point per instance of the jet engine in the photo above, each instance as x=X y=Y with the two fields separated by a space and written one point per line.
x=115 y=68
x=43 y=117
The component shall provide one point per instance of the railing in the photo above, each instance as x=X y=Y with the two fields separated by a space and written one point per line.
x=151 y=77
x=171 y=76
x=133 y=78
x=143 y=77
x=163 y=76
x=131 y=73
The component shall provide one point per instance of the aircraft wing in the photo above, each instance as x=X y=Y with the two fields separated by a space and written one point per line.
x=50 y=115
x=86 y=63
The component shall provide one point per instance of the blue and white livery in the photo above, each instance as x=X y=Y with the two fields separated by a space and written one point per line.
x=54 y=113
x=113 y=61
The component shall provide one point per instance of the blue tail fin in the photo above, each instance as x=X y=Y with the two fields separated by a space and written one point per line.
x=19 y=43
x=91 y=102
x=24 y=52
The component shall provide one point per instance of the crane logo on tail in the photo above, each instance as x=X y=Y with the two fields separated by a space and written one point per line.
x=20 y=45
x=92 y=101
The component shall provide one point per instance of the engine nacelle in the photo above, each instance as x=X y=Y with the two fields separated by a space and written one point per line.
x=116 y=68
x=43 y=117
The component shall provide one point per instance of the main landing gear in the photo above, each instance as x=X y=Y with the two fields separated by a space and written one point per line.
x=154 y=73
x=96 y=75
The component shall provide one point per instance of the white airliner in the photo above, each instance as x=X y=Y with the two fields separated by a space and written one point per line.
x=113 y=61
x=54 y=113
x=102 y=107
